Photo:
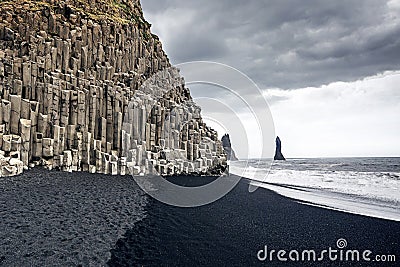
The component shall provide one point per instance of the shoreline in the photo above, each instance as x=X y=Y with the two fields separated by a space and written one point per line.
x=347 y=203
x=58 y=218
x=233 y=229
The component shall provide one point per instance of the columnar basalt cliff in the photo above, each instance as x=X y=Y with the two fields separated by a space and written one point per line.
x=85 y=86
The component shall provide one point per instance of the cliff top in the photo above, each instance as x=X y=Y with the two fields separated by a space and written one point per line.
x=121 y=11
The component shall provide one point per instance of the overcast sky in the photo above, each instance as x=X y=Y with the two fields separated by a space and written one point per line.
x=330 y=70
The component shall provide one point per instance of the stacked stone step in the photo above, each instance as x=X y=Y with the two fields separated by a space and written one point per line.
x=163 y=119
x=81 y=94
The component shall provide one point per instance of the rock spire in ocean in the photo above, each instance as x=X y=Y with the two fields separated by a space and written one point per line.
x=278 y=150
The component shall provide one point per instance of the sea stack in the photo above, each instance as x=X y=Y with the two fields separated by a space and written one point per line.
x=278 y=150
x=86 y=86
x=226 y=143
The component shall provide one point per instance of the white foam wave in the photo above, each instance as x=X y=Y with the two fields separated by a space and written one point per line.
x=369 y=193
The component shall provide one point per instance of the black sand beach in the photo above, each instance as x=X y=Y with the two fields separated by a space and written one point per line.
x=52 y=218
x=72 y=219
x=232 y=230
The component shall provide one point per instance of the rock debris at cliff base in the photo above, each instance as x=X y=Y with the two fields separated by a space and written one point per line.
x=74 y=97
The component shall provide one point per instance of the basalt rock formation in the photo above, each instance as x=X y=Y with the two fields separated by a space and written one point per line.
x=278 y=152
x=85 y=86
x=226 y=144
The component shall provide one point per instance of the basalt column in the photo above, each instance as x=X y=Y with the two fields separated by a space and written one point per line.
x=72 y=76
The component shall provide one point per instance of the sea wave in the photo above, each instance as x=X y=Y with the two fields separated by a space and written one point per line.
x=369 y=193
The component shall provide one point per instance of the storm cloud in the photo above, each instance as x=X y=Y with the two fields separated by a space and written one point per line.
x=282 y=44
x=328 y=69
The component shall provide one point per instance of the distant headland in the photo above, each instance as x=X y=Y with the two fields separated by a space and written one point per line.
x=226 y=143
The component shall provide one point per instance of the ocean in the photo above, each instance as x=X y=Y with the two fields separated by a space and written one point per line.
x=53 y=218
x=300 y=204
x=366 y=186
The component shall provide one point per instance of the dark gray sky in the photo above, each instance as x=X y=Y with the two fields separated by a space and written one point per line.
x=282 y=43
x=341 y=60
